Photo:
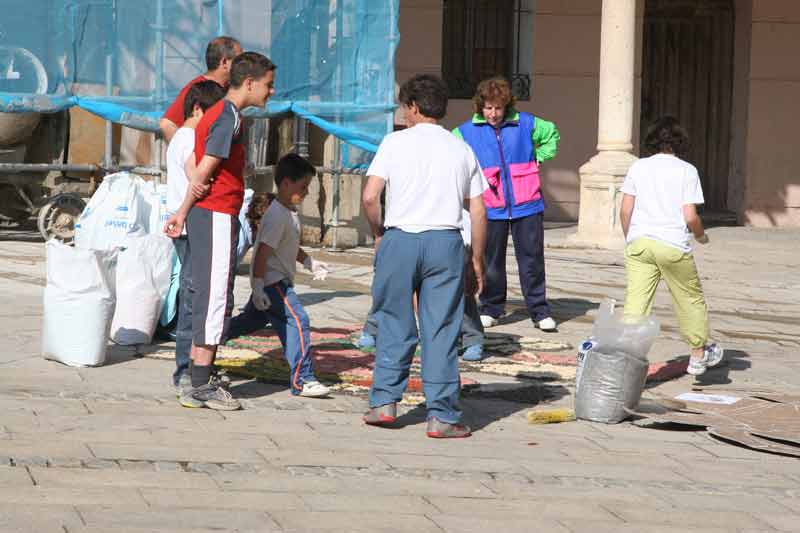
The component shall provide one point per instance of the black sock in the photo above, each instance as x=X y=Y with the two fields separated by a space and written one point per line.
x=200 y=375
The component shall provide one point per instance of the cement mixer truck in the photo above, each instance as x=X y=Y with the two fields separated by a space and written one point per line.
x=32 y=146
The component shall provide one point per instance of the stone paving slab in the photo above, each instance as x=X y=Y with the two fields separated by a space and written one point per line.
x=461 y=524
x=755 y=475
x=444 y=462
x=728 y=519
x=111 y=450
x=214 y=499
x=165 y=518
x=136 y=452
x=582 y=526
x=153 y=528
x=356 y=522
x=128 y=423
x=521 y=509
x=13 y=476
x=31 y=448
x=604 y=471
x=33 y=518
x=320 y=482
x=781 y=522
x=371 y=504
x=73 y=477
x=46 y=496
x=692 y=503
x=289 y=457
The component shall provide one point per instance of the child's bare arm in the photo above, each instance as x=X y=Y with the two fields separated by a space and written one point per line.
x=260 y=260
x=199 y=175
x=626 y=211
x=371 y=200
x=168 y=128
x=694 y=223
x=202 y=172
x=477 y=215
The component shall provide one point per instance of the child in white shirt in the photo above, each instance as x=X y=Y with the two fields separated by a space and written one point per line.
x=272 y=278
x=200 y=97
x=658 y=211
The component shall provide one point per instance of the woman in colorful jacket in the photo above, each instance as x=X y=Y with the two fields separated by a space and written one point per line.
x=510 y=146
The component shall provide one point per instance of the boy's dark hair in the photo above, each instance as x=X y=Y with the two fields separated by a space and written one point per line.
x=428 y=92
x=219 y=48
x=203 y=93
x=294 y=168
x=666 y=135
x=249 y=65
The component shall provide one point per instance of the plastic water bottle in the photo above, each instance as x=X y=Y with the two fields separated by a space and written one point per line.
x=583 y=352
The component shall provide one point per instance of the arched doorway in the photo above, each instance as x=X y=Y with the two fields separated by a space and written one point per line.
x=687 y=71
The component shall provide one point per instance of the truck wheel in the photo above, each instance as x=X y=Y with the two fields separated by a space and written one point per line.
x=57 y=217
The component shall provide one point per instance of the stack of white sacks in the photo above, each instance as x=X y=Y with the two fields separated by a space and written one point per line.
x=114 y=280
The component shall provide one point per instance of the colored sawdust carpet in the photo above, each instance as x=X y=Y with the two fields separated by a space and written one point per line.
x=341 y=364
x=338 y=361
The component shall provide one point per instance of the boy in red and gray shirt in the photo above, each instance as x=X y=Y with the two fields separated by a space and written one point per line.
x=210 y=212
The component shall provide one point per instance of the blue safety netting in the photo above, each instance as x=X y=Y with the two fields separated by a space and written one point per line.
x=125 y=60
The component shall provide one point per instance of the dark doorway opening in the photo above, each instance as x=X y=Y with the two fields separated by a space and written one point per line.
x=687 y=71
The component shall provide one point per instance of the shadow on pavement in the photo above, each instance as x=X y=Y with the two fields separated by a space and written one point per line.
x=252 y=388
x=735 y=360
x=117 y=354
x=484 y=407
x=562 y=309
x=311 y=298
x=566 y=309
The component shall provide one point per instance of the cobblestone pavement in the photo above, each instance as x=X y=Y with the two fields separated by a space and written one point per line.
x=109 y=449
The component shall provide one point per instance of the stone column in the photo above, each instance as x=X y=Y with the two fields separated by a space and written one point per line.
x=602 y=175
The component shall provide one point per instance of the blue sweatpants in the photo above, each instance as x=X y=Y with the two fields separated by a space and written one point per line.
x=287 y=316
x=183 y=331
x=528 y=235
x=431 y=263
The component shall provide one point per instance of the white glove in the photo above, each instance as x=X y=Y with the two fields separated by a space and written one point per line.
x=702 y=239
x=260 y=298
x=318 y=268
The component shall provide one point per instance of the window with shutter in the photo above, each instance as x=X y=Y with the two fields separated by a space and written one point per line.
x=485 y=38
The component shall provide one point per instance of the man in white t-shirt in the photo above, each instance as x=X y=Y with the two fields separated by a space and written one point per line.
x=199 y=97
x=658 y=211
x=428 y=174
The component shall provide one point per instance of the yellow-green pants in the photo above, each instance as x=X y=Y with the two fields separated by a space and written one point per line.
x=646 y=262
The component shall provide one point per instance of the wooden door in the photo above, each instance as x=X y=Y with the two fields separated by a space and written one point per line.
x=687 y=72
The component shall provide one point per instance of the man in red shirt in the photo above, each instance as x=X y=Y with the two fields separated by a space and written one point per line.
x=219 y=56
x=210 y=211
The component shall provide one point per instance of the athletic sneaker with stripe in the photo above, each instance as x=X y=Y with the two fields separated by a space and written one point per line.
x=211 y=395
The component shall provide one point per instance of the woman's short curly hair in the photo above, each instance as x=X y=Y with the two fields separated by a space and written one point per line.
x=666 y=135
x=258 y=206
x=493 y=90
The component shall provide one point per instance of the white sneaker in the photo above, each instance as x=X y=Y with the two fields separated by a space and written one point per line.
x=546 y=324
x=712 y=356
x=696 y=367
x=314 y=389
x=488 y=321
